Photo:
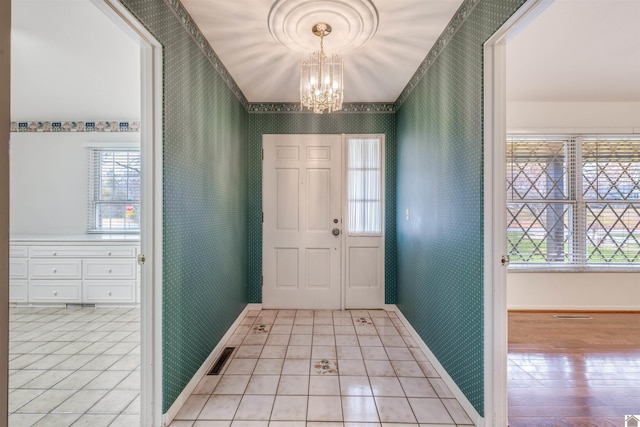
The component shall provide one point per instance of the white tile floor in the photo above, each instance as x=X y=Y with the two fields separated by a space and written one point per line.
x=74 y=367
x=323 y=369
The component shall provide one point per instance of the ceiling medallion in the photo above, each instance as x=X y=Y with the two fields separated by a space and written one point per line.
x=353 y=22
x=321 y=77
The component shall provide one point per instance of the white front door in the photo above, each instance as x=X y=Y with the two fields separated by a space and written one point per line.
x=302 y=208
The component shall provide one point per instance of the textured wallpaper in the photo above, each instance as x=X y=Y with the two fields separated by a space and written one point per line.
x=205 y=200
x=440 y=179
x=353 y=123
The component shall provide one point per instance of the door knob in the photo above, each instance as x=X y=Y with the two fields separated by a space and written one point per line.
x=335 y=231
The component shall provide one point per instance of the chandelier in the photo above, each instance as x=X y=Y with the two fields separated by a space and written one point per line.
x=321 y=77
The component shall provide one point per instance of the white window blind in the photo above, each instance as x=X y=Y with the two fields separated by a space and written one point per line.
x=114 y=191
x=573 y=201
x=365 y=185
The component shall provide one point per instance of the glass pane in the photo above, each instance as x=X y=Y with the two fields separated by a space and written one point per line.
x=611 y=170
x=536 y=170
x=116 y=190
x=117 y=217
x=612 y=233
x=365 y=186
x=538 y=232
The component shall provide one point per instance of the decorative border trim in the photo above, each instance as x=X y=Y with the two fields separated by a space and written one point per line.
x=294 y=107
x=192 y=28
x=452 y=28
x=50 y=126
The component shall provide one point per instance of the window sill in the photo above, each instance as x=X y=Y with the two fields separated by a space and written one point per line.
x=574 y=269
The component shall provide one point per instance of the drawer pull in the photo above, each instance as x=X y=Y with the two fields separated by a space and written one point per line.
x=109 y=253
x=55 y=293
x=55 y=253
x=109 y=271
x=55 y=270
x=109 y=293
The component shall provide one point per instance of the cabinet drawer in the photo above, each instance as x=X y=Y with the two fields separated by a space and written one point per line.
x=18 y=251
x=110 y=269
x=109 y=291
x=18 y=291
x=18 y=268
x=55 y=291
x=83 y=251
x=55 y=269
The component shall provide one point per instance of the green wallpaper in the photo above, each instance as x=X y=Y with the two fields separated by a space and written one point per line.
x=205 y=200
x=440 y=179
x=283 y=123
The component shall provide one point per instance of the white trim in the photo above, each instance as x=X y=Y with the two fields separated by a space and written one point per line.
x=205 y=367
x=151 y=140
x=573 y=131
x=495 y=284
x=345 y=216
x=565 y=308
x=459 y=395
x=115 y=145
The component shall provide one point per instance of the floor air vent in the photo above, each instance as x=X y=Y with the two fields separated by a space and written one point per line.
x=224 y=356
x=572 y=317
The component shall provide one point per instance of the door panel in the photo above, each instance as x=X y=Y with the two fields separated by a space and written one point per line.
x=302 y=196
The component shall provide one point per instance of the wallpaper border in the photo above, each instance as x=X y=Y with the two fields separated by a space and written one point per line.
x=76 y=126
x=295 y=107
x=451 y=29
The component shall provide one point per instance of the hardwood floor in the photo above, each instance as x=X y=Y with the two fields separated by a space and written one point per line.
x=578 y=373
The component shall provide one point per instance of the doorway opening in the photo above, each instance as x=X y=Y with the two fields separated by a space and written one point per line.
x=56 y=263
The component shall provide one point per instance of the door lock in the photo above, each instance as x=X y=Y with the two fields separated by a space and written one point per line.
x=335 y=231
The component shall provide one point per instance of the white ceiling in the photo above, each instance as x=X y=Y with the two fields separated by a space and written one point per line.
x=577 y=51
x=263 y=42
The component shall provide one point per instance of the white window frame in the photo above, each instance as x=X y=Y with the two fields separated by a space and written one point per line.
x=577 y=223
x=94 y=200
x=380 y=200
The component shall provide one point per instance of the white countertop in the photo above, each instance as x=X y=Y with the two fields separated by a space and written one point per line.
x=92 y=238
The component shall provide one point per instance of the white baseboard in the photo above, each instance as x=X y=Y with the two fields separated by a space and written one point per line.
x=459 y=395
x=562 y=308
x=171 y=413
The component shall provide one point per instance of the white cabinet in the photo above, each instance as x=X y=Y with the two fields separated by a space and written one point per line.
x=73 y=271
x=18 y=274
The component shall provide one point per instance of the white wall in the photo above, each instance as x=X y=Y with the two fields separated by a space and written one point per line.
x=49 y=180
x=71 y=62
x=574 y=117
x=573 y=291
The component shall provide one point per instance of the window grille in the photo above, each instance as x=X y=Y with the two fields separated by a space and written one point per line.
x=573 y=201
x=365 y=185
x=114 y=191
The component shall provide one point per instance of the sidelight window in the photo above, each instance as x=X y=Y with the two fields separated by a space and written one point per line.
x=365 y=185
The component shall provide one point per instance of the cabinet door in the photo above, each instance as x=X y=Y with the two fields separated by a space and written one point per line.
x=109 y=291
x=110 y=269
x=64 y=291
x=55 y=269
x=18 y=291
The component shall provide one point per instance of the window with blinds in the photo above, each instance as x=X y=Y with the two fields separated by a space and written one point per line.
x=573 y=201
x=365 y=186
x=114 y=191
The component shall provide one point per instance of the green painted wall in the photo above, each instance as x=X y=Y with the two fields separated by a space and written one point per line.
x=285 y=123
x=440 y=179
x=204 y=198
